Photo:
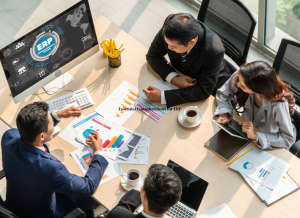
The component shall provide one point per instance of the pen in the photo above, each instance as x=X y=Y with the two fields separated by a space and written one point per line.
x=238 y=157
x=151 y=91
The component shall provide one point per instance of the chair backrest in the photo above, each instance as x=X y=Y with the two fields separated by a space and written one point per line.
x=4 y=211
x=233 y=23
x=287 y=65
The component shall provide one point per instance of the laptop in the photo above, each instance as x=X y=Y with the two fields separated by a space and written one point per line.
x=193 y=190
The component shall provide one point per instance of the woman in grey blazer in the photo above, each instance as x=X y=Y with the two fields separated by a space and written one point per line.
x=262 y=99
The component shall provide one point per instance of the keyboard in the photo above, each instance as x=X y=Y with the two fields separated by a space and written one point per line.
x=80 y=99
x=180 y=211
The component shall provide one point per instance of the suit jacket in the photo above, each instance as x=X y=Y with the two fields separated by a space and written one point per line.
x=272 y=118
x=204 y=63
x=127 y=205
x=39 y=185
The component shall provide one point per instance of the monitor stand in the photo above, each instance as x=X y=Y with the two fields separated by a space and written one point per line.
x=58 y=83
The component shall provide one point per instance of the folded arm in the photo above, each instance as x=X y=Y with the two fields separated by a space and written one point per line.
x=206 y=82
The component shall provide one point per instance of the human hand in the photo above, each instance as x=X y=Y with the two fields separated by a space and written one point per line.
x=94 y=141
x=183 y=81
x=247 y=127
x=69 y=112
x=223 y=118
x=153 y=94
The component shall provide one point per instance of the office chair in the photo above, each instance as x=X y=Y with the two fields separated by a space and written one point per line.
x=287 y=65
x=6 y=213
x=233 y=23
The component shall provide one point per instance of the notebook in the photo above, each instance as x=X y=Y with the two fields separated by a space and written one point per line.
x=225 y=145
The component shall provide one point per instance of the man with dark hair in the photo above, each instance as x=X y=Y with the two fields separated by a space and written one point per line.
x=161 y=190
x=194 y=50
x=38 y=184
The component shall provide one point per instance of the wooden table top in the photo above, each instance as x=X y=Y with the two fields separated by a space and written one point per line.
x=169 y=140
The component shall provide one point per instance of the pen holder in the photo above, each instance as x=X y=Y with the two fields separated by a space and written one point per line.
x=114 y=62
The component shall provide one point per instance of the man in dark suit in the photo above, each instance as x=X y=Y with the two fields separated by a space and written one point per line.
x=161 y=190
x=194 y=50
x=38 y=184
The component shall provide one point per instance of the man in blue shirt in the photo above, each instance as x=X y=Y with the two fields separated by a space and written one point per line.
x=38 y=184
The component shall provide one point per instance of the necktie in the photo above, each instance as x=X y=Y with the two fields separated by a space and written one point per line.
x=45 y=148
x=183 y=61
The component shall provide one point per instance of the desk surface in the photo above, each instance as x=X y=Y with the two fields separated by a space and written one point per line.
x=169 y=140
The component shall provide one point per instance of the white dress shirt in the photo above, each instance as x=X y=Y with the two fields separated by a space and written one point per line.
x=171 y=75
x=148 y=216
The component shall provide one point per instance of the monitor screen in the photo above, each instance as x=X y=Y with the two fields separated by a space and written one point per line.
x=49 y=47
x=193 y=187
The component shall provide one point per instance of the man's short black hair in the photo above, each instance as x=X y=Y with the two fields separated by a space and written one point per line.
x=162 y=187
x=181 y=27
x=33 y=120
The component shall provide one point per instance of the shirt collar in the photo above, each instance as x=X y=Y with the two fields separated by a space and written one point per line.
x=188 y=51
x=42 y=148
x=148 y=216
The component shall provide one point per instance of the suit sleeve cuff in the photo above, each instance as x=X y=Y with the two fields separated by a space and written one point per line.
x=101 y=153
x=170 y=76
x=55 y=115
x=163 y=98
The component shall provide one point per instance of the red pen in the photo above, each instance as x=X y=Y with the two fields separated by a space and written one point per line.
x=151 y=91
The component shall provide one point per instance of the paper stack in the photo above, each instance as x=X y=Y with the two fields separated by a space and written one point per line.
x=120 y=145
x=265 y=174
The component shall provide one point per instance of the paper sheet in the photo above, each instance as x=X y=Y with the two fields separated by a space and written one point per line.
x=123 y=97
x=284 y=187
x=140 y=155
x=155 y=110
x=69 y=134
x=127 y=150
x=222 y=211
x=83 y=159
x=261 y=166
x=113 y=136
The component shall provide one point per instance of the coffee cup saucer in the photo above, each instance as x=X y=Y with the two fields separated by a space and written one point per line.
x=182 y=120
x=127 y=187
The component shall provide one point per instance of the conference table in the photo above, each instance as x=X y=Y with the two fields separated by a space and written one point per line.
x=169 y=140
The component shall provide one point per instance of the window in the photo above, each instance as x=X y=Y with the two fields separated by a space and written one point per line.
x=282 y=21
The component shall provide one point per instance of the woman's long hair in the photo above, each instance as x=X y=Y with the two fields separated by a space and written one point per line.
x=261 y=78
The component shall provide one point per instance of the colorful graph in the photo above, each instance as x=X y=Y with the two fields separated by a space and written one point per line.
x=263 y=173
x=133 y=93
x=114 y=139
x=87 y=157
x=131 y=98
x=127 y=102
x=125 y=107
x=248 y=166
x=87 y=132
x=138 y=151
x=151 y=113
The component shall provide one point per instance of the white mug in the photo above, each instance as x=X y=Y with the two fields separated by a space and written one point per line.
x=129 y=181
x=191 y=119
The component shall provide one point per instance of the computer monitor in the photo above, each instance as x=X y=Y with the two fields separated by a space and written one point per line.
x=49 y=51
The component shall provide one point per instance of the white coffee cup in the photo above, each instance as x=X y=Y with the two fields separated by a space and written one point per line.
x=188 y=118
x=132 y=182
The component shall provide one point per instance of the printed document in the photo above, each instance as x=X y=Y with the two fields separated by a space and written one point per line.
x=261 y=167
x=155 y=110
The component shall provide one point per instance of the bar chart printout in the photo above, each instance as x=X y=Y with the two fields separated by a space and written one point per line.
x=155 y=110
x=119 y=105
x=113 y=136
